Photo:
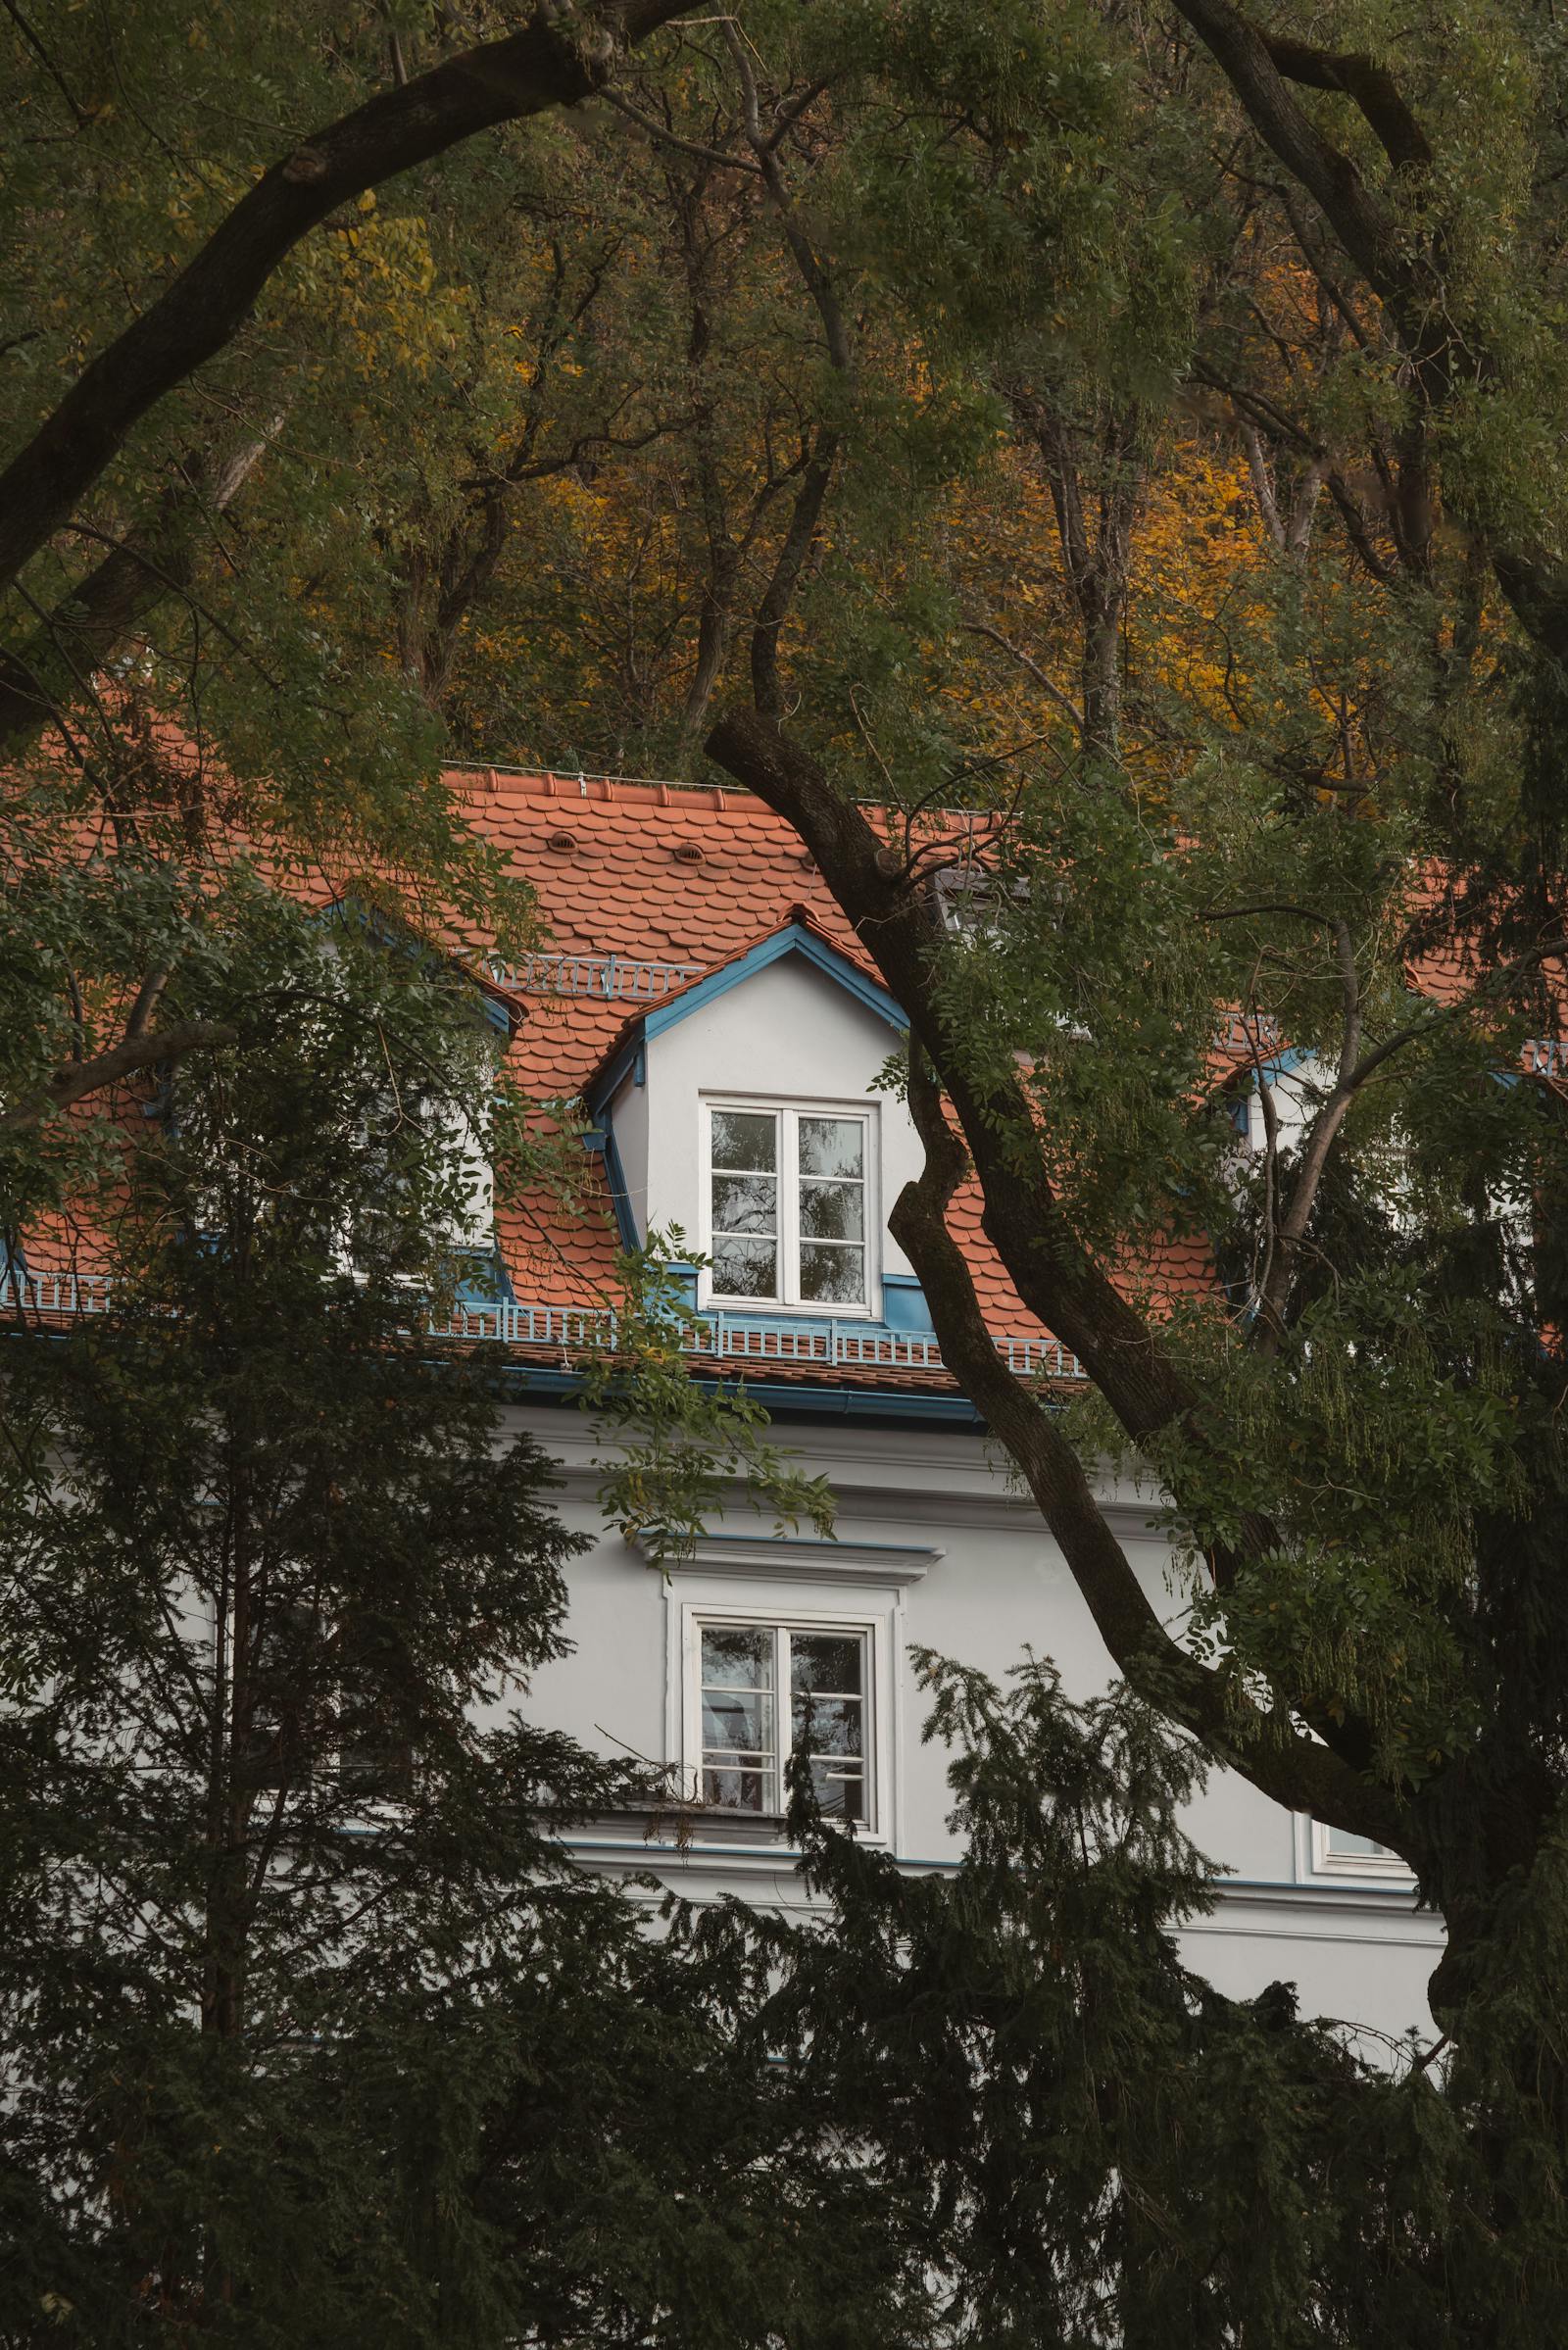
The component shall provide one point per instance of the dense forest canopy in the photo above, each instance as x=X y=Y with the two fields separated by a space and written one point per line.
x=1139 y=427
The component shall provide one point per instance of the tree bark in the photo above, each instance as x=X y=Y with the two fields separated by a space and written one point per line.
x=90 y=624
x=1057 y=1280
x=554 y=60
x=143 y=1050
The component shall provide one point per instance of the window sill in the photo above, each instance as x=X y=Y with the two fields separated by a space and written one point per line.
x=702 y=1828
x=772 y=1309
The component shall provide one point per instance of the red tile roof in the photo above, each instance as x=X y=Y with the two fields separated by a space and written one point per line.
x=660 y=875
x=645 y=888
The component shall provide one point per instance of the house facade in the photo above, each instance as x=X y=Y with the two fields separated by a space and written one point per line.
x=705 y=1001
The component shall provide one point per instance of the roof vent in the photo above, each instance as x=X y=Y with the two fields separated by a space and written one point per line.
x=562 y=841
x=690 y=853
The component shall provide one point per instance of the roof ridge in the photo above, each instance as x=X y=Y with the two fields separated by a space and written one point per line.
x=570 y=786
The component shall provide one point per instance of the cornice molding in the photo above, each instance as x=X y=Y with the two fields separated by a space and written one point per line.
x=790 y=1558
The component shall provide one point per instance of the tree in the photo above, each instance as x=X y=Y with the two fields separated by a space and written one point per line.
x=311 y=2032
x=1355 y=852
x=1083 y=2140
x=500 y=81
x=1274 y=761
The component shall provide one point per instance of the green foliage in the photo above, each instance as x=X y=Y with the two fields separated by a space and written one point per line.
x=312 y=2032
x=523 y=443
x=1082 y=2138
x=678 y=1445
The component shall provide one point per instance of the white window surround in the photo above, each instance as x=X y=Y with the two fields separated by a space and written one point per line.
x=875 y=1631
x=870 y=1614
x=792 y=1246
x=1335 y=1854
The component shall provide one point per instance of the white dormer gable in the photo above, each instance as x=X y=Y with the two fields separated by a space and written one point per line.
x=746 y=1111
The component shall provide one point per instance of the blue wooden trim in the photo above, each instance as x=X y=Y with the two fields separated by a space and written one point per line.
x=619 y=1197
x=904 y=1305
x=782 y=1402
x=793 y=938
x=630 y=1061
x=686 y=1276
x=488 y=1281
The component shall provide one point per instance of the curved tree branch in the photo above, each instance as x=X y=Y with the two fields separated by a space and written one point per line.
x=91 y=622
x=555 y=60
x=139 y=1049
x=1293 y=1769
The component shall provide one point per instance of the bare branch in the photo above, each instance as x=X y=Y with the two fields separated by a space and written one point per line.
x=1026 y=661
x=670 y=138
x=812 y=495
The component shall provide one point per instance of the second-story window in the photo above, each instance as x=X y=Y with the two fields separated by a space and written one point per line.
x=771 y=1692
x=789 y=1218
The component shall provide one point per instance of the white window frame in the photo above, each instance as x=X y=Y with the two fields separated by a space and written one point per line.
x=1375 y=1868
x=787 y=1114
x=874 y=1635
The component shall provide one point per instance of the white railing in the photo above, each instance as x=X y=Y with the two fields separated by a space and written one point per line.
x=626 y=978
x=1251 y=1032
x=569 y=1331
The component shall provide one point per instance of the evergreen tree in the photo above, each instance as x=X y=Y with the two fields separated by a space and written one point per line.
x=312 y=2033
x=1085 y=2142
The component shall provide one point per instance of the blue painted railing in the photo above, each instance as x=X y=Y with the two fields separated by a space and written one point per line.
x=580 y=1330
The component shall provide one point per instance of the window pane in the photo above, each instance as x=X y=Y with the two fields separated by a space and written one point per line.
x=825 y=1660
x=740 y=1722
x=840 y=1794
x=1350 y=1845
x=736 y=1789
x=745 y=1139
x=831 y=1275
x=365 y=1768
x=737 y=1657
x=827 y=1726
x=746 y=1203
x=832 y=1146
x=832 y=1211
x=745 y=1268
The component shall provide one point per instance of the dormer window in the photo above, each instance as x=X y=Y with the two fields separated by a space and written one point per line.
x=787 y=1206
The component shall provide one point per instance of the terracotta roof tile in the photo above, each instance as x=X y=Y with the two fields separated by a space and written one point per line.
x=620 y=890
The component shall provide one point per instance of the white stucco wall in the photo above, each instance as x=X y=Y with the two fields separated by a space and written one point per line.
x=789 y=1034
x=1356 y=1951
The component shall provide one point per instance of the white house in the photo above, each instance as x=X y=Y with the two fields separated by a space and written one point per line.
x=708 y=1003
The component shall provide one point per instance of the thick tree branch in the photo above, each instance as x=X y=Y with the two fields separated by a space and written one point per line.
x=1364 y=225
x=555 y=60
x=1023 y=1220
x=91 y=624
x=1373 y=87
x=1293 y=1769
x=140 y=1048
